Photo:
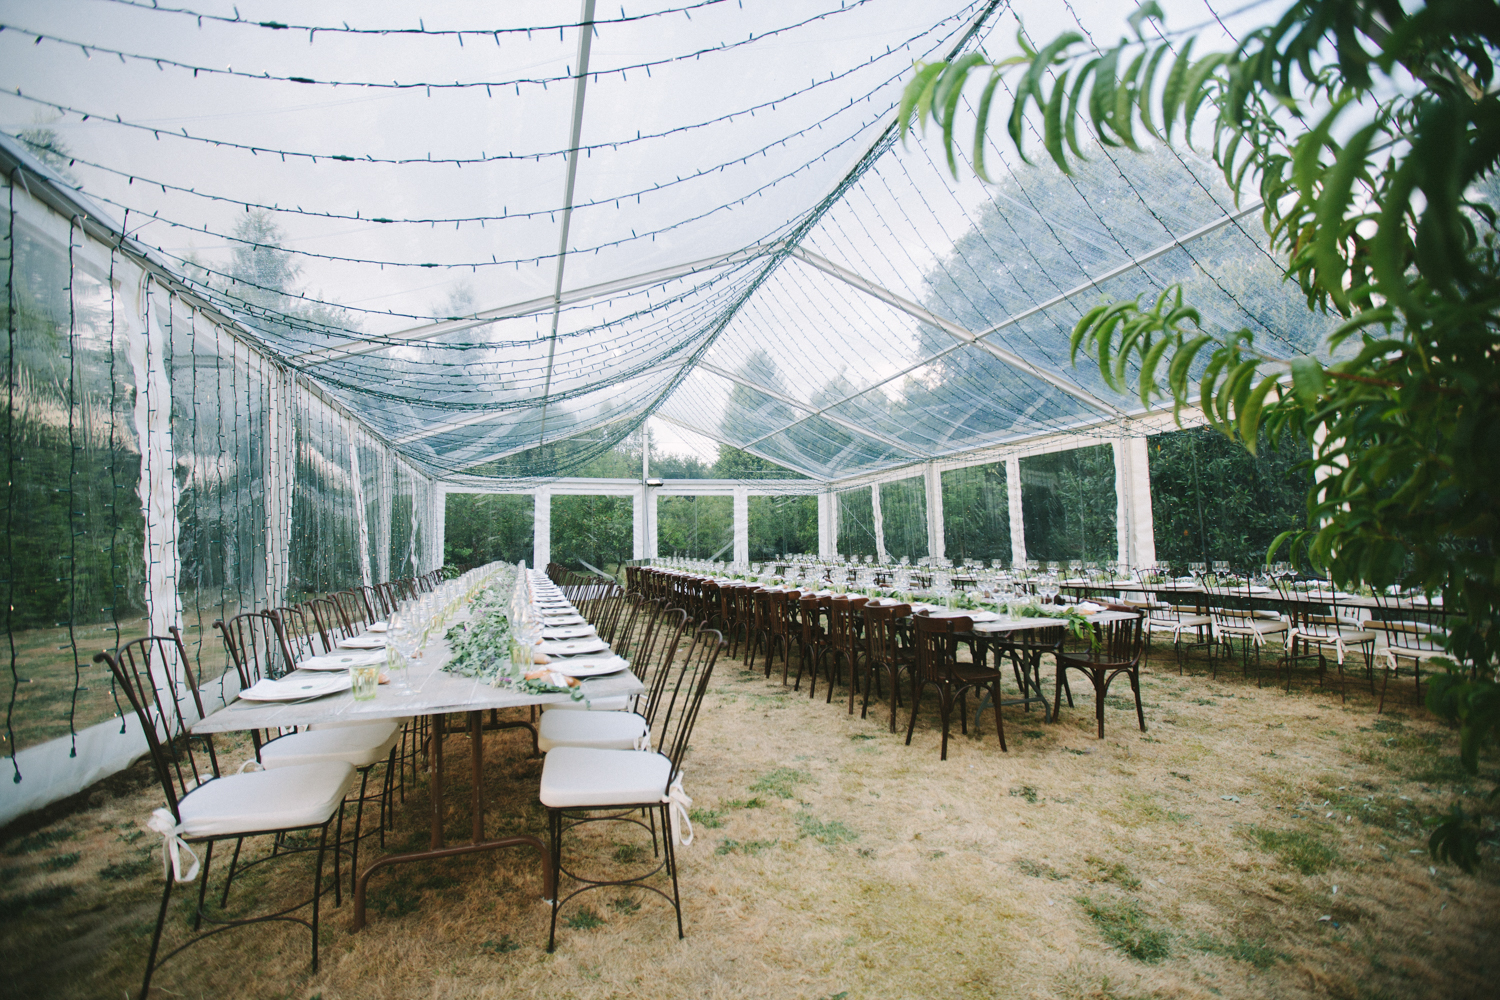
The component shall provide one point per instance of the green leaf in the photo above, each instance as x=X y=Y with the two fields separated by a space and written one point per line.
x=1171 y=95
x=1333 y=205
x=1125 y=104
x=1307 y=379
x=1052 y=135
x=983 y=118
x=1148 y=369
x=915 y=99
x=1101 y=97
x=1249 y=413
x=1144 y=94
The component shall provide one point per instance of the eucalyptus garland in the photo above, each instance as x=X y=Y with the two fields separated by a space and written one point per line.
x=480 y=648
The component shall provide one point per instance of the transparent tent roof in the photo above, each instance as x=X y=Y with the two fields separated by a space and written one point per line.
x=504 y=244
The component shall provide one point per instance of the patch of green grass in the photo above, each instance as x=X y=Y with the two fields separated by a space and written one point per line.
x=1295 y=848
x=754 y=803
x=14 y=907
x=394 y=899
x=711 y=818
x=34 y=842
x=124 y=871
x=1116 y=872
x=1033 y=734
x=503 y=945
x=1184 y=777
x=1026 y=792
x=624 y=905
x=1125 y=925
x=61 y=862
x=1256 y=953
x=864 y=736
x=1204 y=701
x=780 y=782
x=829 y=832
x=627 y=854
x=1076 y=753
x=1037 y=869
x=750 y=847
x=584 y=919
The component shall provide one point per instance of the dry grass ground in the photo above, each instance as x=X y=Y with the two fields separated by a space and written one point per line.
x=1253 y=843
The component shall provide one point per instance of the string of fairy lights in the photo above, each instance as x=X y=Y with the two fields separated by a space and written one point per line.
x=489 y=86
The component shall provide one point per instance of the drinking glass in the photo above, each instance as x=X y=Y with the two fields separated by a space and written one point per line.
x=364 y=680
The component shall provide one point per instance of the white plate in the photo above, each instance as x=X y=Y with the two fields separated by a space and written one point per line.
x=296 y=688
x=589 y=666
x=567 y=631
x=574 y=647
x=557 y=621
x=343 y=661
x=362 y=642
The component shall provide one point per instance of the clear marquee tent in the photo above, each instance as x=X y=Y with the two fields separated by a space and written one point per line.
x=281 y=277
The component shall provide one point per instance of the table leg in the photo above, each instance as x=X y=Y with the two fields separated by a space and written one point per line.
x=476 y=736
x=438 y=725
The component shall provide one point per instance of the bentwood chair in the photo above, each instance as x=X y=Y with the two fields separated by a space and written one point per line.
x=844 y=641
x=203 y=807
x=936 y=641
x=1118 y=651
x=887 y=652
x=813 y=648
x=581 y=783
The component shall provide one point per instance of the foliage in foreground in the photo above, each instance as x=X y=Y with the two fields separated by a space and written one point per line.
x=1372 y=134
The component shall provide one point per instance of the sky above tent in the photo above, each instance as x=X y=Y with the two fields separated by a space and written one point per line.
x=503 y=267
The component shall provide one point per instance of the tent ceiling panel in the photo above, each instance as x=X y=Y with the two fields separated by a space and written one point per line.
x=741 y=248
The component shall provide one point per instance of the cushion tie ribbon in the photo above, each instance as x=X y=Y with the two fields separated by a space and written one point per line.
x=679 y=806
x=163 y=822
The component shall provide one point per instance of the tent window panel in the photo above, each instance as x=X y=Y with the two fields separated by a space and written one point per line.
x=1068 y=501
x=695 y=527
x=325 y=526
x=856 y=523
x=592 y=531
x=976 y=514
x=73 y=539
x=903 y=510
x=1212 y=500
x=481 y=528
x=783 y=526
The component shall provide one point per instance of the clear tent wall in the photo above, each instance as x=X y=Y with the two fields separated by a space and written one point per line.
x=159 y=471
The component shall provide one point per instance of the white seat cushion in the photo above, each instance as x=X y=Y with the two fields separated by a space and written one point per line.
x=359 y=746
x=283 y=799
x=1248 y=625
x=578 y=777
x=613 y=703
x=604 y=730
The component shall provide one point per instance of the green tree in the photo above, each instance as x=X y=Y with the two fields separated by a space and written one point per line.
x=1372 y=133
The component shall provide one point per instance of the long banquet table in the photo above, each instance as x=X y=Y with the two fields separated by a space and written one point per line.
x=434 y=692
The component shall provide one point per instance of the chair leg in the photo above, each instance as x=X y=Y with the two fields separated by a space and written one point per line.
x=318 y=891
x=554 y=829
x=359 y=820
x=999 y=723
x=161 y=919
x=666 y=824
x=1135 y=687
x=233 y=863
x=208 y=856
x=916 y=701
x=1100 y=686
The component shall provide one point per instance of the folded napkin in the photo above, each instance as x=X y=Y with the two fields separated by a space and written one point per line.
x=1088 y=608
x=343 y=661
x=362 y=642
x=379 y=627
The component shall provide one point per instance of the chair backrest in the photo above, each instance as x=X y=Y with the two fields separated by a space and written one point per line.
x=256 y=644
x=680 y=699
x=1119 y=642
x=157 y=678
x=1409 y=626
x=303 y=638
x=781 y=603
x=663 y=622
x=375 y=598
x=809 y=607
x=936 y=640
x=880 y=630
x=356 y=611
x=329 y=619
x=670 y=629
x=841 y=628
